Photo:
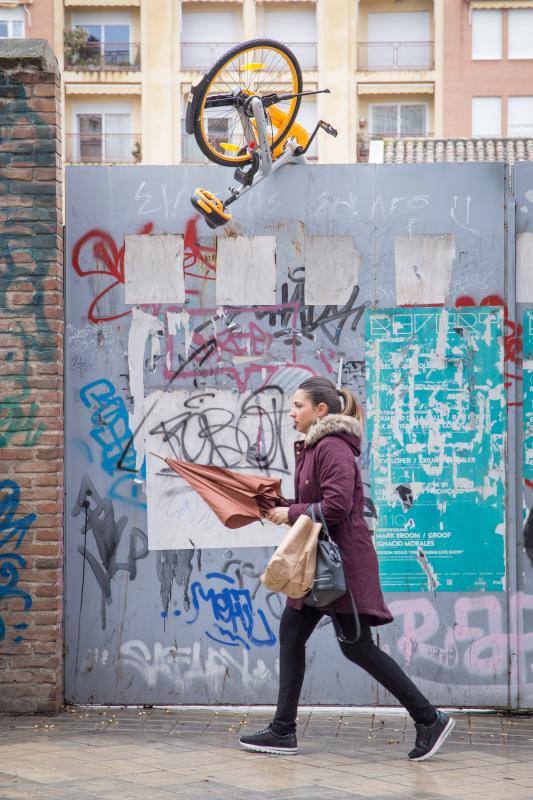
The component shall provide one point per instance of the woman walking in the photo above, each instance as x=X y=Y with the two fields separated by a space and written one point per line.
x=326 y=472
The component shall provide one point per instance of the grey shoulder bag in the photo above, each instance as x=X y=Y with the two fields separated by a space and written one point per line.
x=330 y=580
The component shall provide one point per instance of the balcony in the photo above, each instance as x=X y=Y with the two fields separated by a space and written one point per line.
x=190 y=152
x=364 y=139
x=107 y=148
x=99 y=56
x=202 y=55
x=305 y=52
x=389 y=56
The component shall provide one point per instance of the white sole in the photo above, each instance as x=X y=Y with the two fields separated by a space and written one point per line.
x=440 y=741
x=276 y=751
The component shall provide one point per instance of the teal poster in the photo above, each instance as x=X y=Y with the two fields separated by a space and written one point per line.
x=436 y=409
x=528 y=396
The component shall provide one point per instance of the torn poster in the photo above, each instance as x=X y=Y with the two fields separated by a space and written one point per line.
x=248 y=432
x=436 y=410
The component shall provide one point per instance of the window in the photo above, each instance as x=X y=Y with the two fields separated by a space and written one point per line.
x=486 y=116
x=521 y=33
x=486 y=34
x=399 y=120
x=399 y=40
x=520 y=116
x=11 y=23
x=206 y=35
x=103 y=136
x=296 y=27
x=108 y=39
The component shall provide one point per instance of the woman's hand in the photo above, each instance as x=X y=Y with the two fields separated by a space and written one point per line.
x=278 y=515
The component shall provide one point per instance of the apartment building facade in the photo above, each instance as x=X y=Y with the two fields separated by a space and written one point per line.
x=488 y=80
x=395 y=68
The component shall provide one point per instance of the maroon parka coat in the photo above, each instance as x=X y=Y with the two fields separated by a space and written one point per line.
x=326 y=471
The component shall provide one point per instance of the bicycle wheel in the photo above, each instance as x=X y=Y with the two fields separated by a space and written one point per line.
x=257 y=67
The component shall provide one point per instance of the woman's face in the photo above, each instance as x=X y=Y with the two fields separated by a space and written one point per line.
x=304 y=413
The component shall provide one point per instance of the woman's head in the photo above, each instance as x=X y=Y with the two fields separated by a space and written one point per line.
x=316 y=397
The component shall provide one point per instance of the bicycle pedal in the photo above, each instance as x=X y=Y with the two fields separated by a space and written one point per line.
x=328 y=128
x=210 y=207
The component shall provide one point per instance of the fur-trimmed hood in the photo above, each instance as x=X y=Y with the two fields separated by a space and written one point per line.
x=337 y=424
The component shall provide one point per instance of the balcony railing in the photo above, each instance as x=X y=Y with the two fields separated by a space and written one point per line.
x=202 y=55
x=107 y=148
x=364 y=139
x=305 y=52
x=190 y=152
x=105 y=56
x=395 y=55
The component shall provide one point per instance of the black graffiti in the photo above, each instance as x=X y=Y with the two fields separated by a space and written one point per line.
x=213 y=435
x=99 y=518
x=175 y=567
x=207 y=348
x=528 y=535
x=330 y=321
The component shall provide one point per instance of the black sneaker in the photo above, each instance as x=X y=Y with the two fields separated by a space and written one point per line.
x=429 y=738
x=266 y=741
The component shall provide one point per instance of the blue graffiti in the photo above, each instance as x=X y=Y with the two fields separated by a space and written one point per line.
x=12 y=532
x=111 y=429
x=234 y=608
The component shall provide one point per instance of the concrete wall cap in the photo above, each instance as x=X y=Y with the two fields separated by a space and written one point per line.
x=30 y=53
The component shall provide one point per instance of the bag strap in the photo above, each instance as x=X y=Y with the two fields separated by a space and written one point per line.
x=336 y=624
x=338 y=628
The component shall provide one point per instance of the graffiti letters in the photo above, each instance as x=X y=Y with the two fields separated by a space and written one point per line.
x=12 y=533
x=99 y=518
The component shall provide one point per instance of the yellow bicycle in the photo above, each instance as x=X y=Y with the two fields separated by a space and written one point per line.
x=240 y=117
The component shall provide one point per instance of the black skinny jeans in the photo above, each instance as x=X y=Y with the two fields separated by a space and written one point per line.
x=295 y=629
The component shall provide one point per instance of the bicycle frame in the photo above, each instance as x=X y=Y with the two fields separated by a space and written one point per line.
x=262 y=164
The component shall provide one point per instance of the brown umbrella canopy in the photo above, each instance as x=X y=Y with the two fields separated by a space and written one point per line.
x=237 y=499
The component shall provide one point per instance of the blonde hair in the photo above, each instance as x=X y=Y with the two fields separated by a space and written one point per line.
x=338 y=401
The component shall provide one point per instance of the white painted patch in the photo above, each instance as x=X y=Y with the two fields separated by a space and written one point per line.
x=209 y=427
x=246 y=270
x=153 y=269
x=524 y=268
x=176 y=320
x=331 y=269
x=423 y=265
x=143 y=326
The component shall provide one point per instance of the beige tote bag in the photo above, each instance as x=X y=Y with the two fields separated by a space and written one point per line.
x=292 y=568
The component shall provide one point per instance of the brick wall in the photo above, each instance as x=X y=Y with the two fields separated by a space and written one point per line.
x=31 y=379
x=465 y=78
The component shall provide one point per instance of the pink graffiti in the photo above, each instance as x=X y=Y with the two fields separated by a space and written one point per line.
x=477 y=638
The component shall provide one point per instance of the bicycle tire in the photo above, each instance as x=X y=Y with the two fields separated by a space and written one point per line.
x=207 y=81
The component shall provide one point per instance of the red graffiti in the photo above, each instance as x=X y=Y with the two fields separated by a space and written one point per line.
x=512 y=338
x=196 y=254
x=96 y=253
x=109 y=261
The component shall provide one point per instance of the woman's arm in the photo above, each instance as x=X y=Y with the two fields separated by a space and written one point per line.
x=335 y=465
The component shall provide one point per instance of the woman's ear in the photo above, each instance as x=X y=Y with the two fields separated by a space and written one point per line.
x=322 y=410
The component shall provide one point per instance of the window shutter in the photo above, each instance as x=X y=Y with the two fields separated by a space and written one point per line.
x=486 y=34
x=521 y=33
x=520 y=116
x=486 y=116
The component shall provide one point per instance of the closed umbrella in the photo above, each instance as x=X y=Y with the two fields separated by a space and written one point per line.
x=236 y=498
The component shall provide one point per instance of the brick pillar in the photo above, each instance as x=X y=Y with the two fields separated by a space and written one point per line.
x=31 y=379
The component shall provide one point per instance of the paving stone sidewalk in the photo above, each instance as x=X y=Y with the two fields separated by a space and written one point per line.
x=192 y=754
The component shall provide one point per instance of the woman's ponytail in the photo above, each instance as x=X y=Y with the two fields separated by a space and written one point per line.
x=351 y=407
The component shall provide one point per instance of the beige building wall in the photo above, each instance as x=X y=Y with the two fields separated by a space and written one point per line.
x=158 y=88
